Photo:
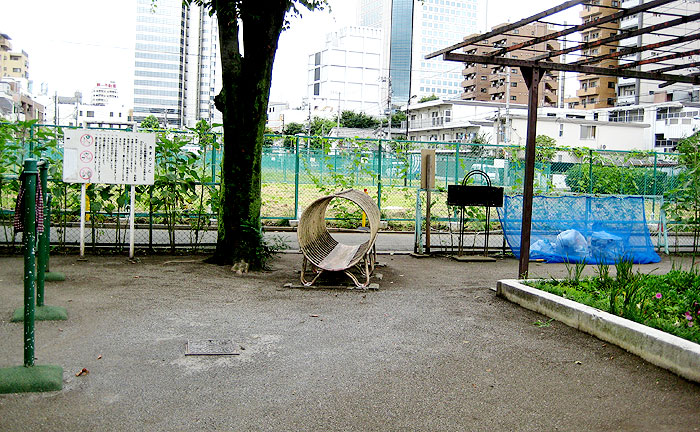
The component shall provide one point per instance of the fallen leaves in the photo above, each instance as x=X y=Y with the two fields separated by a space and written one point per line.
x=84 y=371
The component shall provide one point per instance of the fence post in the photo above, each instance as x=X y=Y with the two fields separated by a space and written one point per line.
x=296 y=180
x=457 y=164
x=213 y=165
x=31 y=140
x=379 y=177
x=30 y=171
x=653 y=186
x=590 y=171
x=43 y=238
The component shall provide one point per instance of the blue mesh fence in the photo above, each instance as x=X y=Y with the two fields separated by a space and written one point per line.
x=581 y=229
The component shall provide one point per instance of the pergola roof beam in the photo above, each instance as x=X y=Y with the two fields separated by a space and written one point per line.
x=507 y=28
x=590 y=70
x=659 y=59
x=621 y=36
x=623 y=13
x=635 y=49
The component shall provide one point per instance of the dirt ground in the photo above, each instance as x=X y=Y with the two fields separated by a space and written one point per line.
x=433 y=349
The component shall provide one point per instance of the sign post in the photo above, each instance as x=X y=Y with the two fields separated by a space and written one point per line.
x=111 y=157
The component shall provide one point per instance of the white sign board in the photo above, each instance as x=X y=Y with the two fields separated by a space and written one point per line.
x=108 y=157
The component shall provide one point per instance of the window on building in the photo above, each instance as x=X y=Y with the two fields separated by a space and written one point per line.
x=561 y=129
x=111 y=114
x=513 y=84
x=587 y=132
x=90 y=114
x=317 y=89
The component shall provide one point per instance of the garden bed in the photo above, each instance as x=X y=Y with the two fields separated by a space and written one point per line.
x=658 y=347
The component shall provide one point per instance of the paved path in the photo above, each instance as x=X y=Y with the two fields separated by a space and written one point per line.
x=433 y=350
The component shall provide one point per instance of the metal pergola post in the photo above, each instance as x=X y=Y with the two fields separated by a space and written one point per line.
x=532 y=80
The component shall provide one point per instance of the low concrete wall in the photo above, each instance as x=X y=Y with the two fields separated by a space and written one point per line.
x=662 y=349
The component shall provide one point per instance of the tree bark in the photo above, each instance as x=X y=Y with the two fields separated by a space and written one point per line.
x=246 y=78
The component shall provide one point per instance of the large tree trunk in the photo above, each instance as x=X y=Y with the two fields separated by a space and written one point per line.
x=243 y=102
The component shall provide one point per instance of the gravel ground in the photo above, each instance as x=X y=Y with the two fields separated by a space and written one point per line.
x=433 y=349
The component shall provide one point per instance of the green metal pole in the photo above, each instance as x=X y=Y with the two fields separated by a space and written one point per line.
x=213 y=164
x=653 y=186
x=296 y=180
x=43 y=256
x=379 y=176
x=30 y=171
x=457 y=164
x=31 y=140
x=590 y=171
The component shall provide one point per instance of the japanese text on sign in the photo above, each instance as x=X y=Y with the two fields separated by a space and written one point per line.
x=111 y=157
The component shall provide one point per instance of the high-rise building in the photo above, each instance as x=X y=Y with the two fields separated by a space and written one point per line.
x=501 y=83
x=414 y=28
x=177 y=69
x=344 y=74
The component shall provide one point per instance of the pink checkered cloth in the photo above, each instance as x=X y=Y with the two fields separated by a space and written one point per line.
x=18 y=221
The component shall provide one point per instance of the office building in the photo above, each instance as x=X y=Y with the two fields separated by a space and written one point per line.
x=345 y=73
x=413 y=29
x=176 y=69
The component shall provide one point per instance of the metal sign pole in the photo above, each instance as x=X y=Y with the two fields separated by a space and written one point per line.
x=131 y=221
x=82 y=220
x=29 y=235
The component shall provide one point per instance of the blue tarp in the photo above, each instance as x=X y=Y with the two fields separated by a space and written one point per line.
x=581 y=229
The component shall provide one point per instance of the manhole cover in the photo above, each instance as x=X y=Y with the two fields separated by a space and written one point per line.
x=211 y=347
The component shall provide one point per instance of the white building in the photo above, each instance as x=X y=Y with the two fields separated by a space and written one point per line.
x=649 y=127
x=414 y=28
x=177 y=68
x=344 y=74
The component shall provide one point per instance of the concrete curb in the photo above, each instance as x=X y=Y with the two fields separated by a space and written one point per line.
x=662 y=349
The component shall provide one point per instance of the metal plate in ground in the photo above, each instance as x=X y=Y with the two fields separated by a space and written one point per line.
x=472 y=258
x=211 y=347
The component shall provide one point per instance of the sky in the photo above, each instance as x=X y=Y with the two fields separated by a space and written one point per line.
x=75 y=44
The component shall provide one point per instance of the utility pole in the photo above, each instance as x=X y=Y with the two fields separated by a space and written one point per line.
x=55 y=107
x=388 y=111
x=388 y=101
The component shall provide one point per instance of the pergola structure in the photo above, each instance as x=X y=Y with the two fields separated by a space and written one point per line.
x=671 y=47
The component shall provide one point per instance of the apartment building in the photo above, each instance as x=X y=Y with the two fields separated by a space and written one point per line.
x=12 y=64
x=632 y=91
x=501 y=83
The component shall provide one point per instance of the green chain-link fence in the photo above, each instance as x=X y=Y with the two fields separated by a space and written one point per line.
x=296 y=170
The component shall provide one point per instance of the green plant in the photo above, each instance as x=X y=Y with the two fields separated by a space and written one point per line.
x=175 y=179
x=669 y=302
x=540 y=323
x=684 y=204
